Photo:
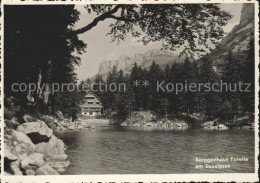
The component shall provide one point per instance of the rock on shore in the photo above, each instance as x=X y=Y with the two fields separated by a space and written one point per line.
x=146 y=118
x=33 y=149
x=212 y=125
x=62 y=123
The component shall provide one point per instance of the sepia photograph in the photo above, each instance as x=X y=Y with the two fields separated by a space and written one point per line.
x=130 y=88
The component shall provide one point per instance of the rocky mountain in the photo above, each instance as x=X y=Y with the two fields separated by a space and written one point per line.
x=121 y=63
x=238 y=38
x=162 y=58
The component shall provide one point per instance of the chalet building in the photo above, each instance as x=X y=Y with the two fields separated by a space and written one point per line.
x=91 y=105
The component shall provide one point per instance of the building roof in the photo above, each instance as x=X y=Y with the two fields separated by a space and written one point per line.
x=91 y=92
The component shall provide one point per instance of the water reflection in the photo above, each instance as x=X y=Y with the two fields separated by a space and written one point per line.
x=122 y=150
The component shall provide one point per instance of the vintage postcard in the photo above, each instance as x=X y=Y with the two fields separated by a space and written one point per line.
x=129 y=91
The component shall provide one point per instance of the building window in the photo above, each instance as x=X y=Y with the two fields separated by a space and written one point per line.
x=90 y=102
x=90 y=97
x=97 y=102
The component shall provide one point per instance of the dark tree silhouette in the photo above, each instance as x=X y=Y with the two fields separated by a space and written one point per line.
x=41 y=51
x=176 y=24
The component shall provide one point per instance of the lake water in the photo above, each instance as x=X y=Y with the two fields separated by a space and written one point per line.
x=137 y=150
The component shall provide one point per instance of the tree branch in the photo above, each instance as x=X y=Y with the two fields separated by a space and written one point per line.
x=97 y=20
x=129 y=19
x=122 y=18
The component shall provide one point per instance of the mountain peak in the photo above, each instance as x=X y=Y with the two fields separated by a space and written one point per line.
x=124 y=57
x=238 y=38
x=247 y=13
x=161 y=57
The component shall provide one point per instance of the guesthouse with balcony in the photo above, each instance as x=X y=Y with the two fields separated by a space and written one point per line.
x=91 y=105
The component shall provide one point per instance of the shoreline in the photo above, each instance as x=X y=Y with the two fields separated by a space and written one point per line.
x=149 y=119
x=93 y=121
x=32 y=147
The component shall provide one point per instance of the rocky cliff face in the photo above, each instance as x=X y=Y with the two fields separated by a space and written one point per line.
x=247 y=14
x=121 y=63
x=238 y=38
x=162 y=58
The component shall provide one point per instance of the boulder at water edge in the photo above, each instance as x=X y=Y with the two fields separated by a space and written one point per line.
x=54 y=153
x=16 y=170
x=10 y=156
x=37 y=131
x=54 y=148
x=34 y=150
x=18 y=142
x=12 y=124
x=207 y=124
x=27 y=118
x=50 y=121
x=59 y=115
x=79 y=127
x=30 y=172
x=33 y=161
x=46 y=170
x=222 y=127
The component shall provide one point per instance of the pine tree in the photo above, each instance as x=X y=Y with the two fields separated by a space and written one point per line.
x=109 y=95
x=98 y=85
x=124 y=99
x=248 y=75
x=135 y=80
x=209 y=101
x=174 y=98
x=155 y=75
x=144 y=90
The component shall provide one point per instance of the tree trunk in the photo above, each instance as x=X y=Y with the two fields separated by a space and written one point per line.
x=166 y=113
x=45 y=95
x=38 y=93
x=188 y=111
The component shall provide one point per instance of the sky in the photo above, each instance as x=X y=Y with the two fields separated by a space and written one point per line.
x=100 y=47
